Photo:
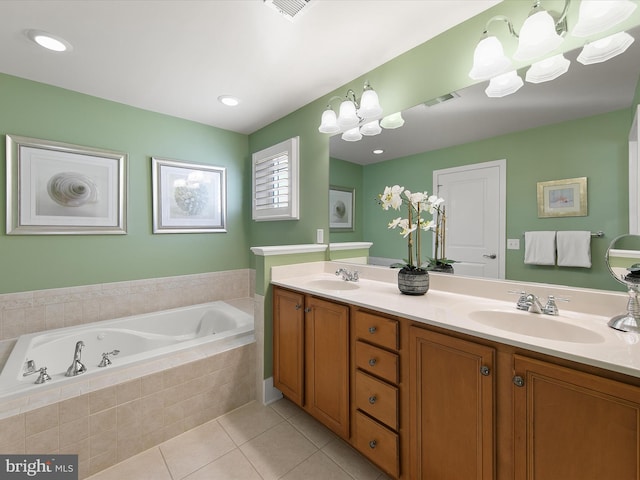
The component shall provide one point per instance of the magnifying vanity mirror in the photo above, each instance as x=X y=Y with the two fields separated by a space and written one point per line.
x=574 y=126
x=623 y=260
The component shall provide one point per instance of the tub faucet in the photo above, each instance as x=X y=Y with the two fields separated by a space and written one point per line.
x=77 y=367
x=347 y=275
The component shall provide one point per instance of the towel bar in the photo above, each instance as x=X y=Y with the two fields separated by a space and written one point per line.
x=598 y=234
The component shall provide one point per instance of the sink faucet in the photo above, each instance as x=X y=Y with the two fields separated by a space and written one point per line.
x=347 y=276
x=77 y=367
x=531 y=303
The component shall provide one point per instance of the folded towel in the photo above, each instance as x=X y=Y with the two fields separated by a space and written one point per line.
x=540 y=248
x=574 y=249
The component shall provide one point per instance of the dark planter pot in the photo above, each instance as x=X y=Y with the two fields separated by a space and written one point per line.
x=442 y=268
x=413 y=281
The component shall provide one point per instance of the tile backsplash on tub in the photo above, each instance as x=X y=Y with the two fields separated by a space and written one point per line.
x=40 y=310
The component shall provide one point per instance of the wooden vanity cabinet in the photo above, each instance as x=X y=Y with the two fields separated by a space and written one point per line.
x=311 y=356
x=451 y=407
x=573 y=425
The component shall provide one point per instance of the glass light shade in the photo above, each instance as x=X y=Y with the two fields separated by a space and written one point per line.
x=596 y=16
x=392 y=121
x=371 y=128
x=547 y=69
x=489 y=59
x=538 y=37
x=369 y=104
x=347 y=117
x=504 y=85
x=329 y=123
x=605 y=48
x=352 y=135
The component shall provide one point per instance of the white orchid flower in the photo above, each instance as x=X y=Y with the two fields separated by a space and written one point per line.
x=391 y=197
x=406 y=228
x=395 y=223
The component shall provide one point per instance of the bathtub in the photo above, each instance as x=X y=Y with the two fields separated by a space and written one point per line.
x=137 y=339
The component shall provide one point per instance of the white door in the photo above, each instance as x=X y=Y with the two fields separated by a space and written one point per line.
x=475 y=199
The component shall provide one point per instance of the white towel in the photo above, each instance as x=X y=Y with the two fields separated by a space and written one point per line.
x=574 y=249
x=540 y=248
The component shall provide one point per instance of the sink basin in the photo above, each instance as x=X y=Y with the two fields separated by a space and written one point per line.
x=534 y=325
x=335 y=285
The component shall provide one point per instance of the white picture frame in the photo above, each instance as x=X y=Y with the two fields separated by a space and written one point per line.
x=341 y=209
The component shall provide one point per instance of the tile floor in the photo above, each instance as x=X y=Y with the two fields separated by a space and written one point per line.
x=253 y=442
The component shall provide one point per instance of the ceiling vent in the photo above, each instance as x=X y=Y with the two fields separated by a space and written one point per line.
x=290 y=9
x=441 y=99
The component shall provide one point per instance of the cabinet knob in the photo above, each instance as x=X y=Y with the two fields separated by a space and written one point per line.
x=372 y=399
x=298 y=306
x=518 y=381
x=372 y=444
x=372 y=329
x=484 y=370
x=307 y=310
x=372 y=362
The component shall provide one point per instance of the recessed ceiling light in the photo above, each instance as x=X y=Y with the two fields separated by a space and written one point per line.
x=378 y=151
x=229 y=100
x=49 y=41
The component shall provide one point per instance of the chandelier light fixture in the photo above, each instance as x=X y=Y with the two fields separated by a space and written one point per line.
x=540 y=35
x=357 y=117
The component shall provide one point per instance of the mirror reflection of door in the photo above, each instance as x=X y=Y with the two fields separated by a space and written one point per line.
x=475 y=205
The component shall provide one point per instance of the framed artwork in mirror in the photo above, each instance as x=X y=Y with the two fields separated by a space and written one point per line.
x=188 y=197
x=563 y=198
x=341 y=209
x=56 y=188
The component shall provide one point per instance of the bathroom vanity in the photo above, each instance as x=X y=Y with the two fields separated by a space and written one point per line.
x=435 y=387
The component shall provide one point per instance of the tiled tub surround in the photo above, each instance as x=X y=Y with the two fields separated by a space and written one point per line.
x=122 y=413
x=40 y=310
x=111 y=424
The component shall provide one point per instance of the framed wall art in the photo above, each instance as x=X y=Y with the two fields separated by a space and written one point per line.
x=58 y=188
x=563 y=198
x=188 y=197
x=341 y=209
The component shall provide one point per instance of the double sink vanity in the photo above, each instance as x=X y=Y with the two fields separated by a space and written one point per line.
x=459 y=384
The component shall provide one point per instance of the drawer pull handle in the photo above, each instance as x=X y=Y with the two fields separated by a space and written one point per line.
x=298 y=306
x=372 y=399
x=372 y=444
x=484 y=370
x=372 y=362
x=372 y=329
x=518 y=381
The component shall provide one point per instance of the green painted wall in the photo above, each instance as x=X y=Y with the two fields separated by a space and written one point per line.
x=32 y=262
x=347 y=174
x=595 y=147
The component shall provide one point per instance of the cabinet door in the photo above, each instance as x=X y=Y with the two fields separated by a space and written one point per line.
x=451 y=388
x=574 y=426
x=327 y=363
x=288 y=344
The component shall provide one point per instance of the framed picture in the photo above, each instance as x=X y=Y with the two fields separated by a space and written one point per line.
x=563 y=198
x=188 y=197
x=57 y=188
x=341 y=209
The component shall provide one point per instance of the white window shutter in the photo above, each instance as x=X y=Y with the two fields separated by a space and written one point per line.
x=275 y=182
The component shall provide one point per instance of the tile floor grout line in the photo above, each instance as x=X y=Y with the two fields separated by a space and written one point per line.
x=166 y=465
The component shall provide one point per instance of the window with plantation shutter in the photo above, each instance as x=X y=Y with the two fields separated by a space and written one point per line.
x=275 y=182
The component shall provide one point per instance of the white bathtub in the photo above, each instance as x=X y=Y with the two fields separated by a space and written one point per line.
x=138 y=338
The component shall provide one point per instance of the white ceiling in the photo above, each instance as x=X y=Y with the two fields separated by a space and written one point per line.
x=177 y=56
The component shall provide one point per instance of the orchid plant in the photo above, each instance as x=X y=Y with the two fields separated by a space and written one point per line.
x=418 y=204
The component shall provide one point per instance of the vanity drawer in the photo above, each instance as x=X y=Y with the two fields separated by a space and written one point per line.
x=376 y=329
x=377 y=443
x=377 y=361
x=377 y=398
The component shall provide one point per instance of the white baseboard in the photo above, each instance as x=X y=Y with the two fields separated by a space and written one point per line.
x=270 y=393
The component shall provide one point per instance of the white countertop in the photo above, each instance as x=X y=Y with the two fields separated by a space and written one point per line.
x=580 y=333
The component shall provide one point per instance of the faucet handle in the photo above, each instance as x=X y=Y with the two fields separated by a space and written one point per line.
x=522 y=300
x=551 y=308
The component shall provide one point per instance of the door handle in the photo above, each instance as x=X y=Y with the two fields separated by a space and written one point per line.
x=493 y=255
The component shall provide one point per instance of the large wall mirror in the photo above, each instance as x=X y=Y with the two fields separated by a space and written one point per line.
x=574 y=126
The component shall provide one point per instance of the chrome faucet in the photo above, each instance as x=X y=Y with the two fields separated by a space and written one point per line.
x=77 y=367
x=531 y=303
x=347 y=276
